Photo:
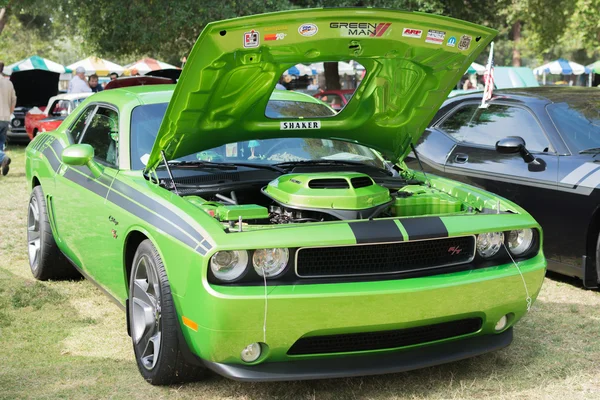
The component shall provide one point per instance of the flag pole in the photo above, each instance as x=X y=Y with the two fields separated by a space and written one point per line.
x=489 y=79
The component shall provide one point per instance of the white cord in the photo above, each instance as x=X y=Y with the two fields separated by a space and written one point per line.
x=528 y=299
x=265 y=319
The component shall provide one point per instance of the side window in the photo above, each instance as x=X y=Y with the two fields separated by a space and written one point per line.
x=102 y=134
x=485 y=126
x=79 y=126
x=460 y=123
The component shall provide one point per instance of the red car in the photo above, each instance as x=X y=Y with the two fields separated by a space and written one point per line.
x=336 y=99
x=44 y=119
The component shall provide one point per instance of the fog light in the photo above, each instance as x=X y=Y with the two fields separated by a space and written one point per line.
x=501 y=324
x=251 y=353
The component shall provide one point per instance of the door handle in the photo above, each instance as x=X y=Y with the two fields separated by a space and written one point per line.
x=461 y=158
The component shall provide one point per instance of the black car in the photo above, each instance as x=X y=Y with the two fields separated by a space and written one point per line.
x=539 y=147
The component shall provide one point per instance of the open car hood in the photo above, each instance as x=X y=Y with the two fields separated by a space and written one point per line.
x=412 y=62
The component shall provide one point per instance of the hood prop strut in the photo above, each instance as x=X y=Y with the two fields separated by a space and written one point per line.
x=162 y=153
x=412 y=146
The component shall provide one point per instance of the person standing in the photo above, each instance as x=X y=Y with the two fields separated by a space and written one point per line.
x=94 y=84
x=78 y=84
x=8 y=102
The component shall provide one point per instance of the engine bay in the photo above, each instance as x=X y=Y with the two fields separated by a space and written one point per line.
x=307 y=197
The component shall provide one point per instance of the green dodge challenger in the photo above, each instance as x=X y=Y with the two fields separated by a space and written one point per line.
x=259 y=234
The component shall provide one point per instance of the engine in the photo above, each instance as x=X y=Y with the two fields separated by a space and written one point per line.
x=321 y=196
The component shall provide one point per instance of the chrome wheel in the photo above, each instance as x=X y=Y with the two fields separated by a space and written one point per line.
x=33 y=233
x=146 y=312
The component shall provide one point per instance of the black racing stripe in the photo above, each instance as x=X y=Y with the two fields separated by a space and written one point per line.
x=90 y=182
x=424 y=228
x=376 y=231
x=150 y=217
x=57 y=146
x=52 y=159
x=159 y=208
x=105 y=179
x=86 y=182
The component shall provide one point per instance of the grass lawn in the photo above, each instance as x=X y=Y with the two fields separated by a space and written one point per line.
x=67 y=340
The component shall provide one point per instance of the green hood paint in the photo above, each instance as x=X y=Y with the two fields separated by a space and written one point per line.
x=327 y=191
x=223 y=91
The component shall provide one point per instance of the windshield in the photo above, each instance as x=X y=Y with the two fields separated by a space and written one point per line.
x=146 y=120
x=578 y=122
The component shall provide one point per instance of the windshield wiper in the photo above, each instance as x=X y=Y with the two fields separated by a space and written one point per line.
x=330 y=162
x=234 y=165
x=199 y=163
x=593 y=150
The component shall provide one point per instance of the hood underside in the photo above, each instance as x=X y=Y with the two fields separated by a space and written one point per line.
x=412 y=61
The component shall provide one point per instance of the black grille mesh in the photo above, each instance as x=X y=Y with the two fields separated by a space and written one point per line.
x=384 y=258
x=362 y=181
x=329 y=183
x=384 y=339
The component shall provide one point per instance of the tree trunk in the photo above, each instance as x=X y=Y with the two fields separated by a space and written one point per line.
x=516 y=54
x=3 y=18
x=332 y=76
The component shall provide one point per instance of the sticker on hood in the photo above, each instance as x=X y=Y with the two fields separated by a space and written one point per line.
x=464 y=43
x=308 y=29
x=435 y=37
x=295 y=125
x=251 y=39
x=451 y=41
x=412 y=33
x=361 y=28
x=275 y=36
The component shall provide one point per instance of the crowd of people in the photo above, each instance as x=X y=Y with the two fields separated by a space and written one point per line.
x=79 y=84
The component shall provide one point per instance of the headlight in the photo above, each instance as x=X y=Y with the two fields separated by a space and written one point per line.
x=488 y=244
x=270 y=262
x=520 y=241
x=229 y=265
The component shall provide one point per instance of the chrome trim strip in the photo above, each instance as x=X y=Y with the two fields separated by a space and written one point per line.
x=384 y=273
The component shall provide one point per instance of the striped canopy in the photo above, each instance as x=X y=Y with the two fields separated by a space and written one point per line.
x=35 y=62
x=299 y=70
x=98 y=66
x=561 y=67
x=146 y=65
x=475 y=68
x=595 y=67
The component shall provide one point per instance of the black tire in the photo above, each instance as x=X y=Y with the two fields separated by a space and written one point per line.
x=45 y=259
x=150 y=295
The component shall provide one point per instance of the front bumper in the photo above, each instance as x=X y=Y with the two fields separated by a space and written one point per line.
x=369 y=364
x=230 y=318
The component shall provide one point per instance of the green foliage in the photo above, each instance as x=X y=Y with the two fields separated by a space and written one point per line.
x=123 y=31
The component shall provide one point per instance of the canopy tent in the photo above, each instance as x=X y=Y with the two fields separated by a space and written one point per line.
x=561 y=67
x=475 y=68
x=514 y=77
x=98 y=66
x=595 y=67
x=344 y=68
x=299 y=70
x=146 y=65
x=35 y=63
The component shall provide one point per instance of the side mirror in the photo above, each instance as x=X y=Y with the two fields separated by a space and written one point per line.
x=81 y=154
x=516 y=144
